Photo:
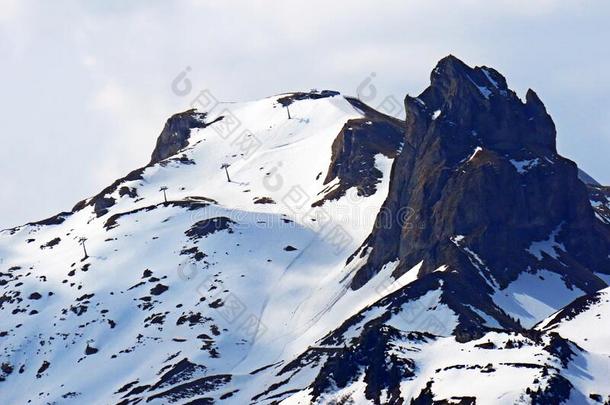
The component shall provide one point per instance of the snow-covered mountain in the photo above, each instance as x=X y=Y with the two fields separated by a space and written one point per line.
x=305 y=248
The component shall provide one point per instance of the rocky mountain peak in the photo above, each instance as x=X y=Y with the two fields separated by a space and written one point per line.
x=478 y=101
x=175 y=134
x=485 y=193
x=450 y=71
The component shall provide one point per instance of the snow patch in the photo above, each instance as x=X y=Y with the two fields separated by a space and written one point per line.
x=425 y=314
x=489 y=321
x=476 y=150
x=485 y=92
x=523 y=166
x=549 y=246
x=534 y=296
x=488 y=76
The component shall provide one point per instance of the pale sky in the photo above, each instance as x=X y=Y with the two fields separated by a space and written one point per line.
x=86 y=86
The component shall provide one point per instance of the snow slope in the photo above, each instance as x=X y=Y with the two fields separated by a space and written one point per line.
x=257 y=287
x=585 y=322
x=241 y=291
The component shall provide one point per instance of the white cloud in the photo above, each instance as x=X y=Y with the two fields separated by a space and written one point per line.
x=89 y=61
x=10 y=10
x=111 y=98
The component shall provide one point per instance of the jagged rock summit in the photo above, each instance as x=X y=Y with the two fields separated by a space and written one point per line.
x=306 y=248
x=491 y=198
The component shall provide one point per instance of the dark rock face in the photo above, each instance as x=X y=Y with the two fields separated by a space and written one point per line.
x=203 y=228
x=557 y=392
x=369 y=354
x=101 y=205
x=54 y=220
x=159 y=289
x=176 y=133
x=131 y=192
x=193 y=388
x=290 y=98
x=263 y=200
x=600 y=200
x=101 y=202
x=354 y=151
x=51 y=244
x=481 y=163
x=89 y=350
x=383 y=371
x=180 y=372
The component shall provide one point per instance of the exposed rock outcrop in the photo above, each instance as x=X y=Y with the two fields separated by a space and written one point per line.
x=355 y=149
x=290 y=98
x=176 y=133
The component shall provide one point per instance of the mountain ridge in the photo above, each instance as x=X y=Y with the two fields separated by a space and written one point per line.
x=309 y=249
